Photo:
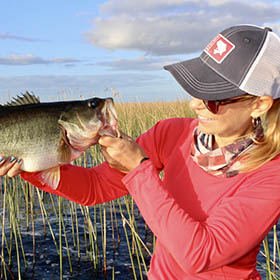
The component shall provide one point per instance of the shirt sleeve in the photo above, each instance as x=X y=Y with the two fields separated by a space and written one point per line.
x=86 y=186
x=235 y=227
x=91 y=186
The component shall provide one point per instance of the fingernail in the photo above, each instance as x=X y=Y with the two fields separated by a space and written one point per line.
x=19 y=160
x=12 y=159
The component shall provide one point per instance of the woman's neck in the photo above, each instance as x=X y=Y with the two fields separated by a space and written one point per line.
x=224 y=141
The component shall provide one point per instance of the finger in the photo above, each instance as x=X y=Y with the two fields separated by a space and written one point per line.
x=104 y=152
x=2 y=160
x=106 y=155
x=113 y=163
x=125 y=136
x=6 y=165
x=15 y=169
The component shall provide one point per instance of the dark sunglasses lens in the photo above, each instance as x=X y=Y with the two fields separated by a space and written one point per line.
x=212 y=106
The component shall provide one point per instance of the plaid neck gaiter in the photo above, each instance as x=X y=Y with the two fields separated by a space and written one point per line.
x=224 y=161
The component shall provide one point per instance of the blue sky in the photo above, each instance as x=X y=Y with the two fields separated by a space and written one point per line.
x=97 y=48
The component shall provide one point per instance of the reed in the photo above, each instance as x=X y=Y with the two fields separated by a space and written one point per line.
x=73 y=240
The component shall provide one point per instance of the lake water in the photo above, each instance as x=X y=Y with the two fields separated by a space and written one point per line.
x=47 y=260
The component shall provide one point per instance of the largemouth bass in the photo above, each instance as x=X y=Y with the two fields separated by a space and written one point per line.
x=46 y=135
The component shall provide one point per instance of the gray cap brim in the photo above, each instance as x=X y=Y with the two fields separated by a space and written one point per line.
x=200 y=81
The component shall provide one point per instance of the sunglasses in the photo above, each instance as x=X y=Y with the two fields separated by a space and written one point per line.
x=213 y=105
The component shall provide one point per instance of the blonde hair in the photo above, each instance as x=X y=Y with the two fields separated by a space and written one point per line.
x=269 y=146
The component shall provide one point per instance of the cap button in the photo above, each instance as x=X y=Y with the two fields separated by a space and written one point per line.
x=268 y=29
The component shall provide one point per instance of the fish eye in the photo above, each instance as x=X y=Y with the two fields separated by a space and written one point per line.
x=93 y=103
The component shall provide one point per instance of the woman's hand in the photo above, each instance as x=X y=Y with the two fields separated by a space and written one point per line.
x=121 y=153
x=9 y=166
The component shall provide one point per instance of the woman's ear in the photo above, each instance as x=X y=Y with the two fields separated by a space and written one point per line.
x=261 y=105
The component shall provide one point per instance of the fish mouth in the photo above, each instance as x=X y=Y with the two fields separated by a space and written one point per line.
x=87 y=134
x=109 y=119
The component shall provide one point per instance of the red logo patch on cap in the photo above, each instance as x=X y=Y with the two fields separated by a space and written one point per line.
x=219 y=48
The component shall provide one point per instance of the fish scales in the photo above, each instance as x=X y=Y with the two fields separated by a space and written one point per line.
x=22 y=130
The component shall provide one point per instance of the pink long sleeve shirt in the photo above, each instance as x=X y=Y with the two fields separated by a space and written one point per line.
x=207 y=227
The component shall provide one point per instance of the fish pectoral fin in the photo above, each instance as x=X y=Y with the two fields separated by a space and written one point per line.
x=51 y=177
x=64 y=151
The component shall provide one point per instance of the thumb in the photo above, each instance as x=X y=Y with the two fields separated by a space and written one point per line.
x=107 y=141
x=125 y=136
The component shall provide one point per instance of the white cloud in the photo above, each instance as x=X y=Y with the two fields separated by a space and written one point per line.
x=216 y=3
x=141 y=63
x=160 y=27
x=29 y=59
x=275 y=27
x=145 y=6
x=153 y=35
x=7 y=36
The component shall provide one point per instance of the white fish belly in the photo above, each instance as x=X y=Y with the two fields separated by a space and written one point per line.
x=37 y=162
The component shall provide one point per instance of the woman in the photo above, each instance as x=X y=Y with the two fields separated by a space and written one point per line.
x=220 y=194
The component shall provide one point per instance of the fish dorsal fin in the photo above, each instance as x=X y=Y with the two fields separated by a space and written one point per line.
x=25 y=99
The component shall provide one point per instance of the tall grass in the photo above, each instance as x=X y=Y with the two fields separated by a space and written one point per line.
x=135 y=118
x=74 y=241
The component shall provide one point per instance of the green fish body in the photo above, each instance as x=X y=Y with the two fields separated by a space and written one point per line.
x=46 y=135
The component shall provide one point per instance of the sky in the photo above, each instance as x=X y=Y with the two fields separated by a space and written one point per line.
x=79 y=49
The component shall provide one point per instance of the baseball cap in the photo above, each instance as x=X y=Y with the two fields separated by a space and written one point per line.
x=241 y=59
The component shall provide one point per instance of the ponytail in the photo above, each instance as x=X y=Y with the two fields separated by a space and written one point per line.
x=269 y=146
